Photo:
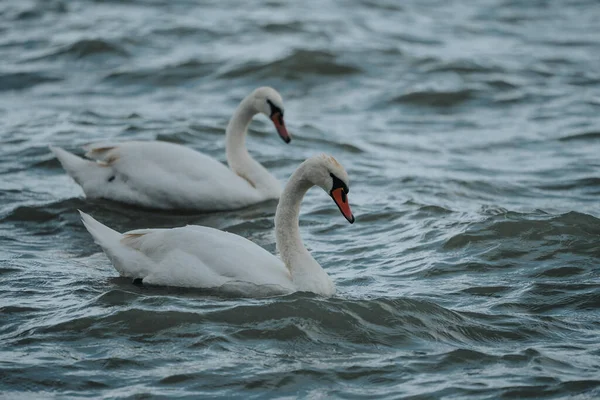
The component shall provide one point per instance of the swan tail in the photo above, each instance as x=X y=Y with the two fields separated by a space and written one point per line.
x=127 y=261
x=104 y=236
x=81 y=170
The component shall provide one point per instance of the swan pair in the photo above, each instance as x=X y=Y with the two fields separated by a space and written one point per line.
x=169 y=176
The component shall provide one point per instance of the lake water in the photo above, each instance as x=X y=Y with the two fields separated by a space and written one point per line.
x=471 y=134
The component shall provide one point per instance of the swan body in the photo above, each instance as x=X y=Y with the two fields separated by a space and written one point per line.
x=164 y=175
x=202 y=257
x=161 y=175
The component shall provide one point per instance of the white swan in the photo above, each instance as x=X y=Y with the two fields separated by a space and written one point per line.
x=197 y=256
x=170 y=176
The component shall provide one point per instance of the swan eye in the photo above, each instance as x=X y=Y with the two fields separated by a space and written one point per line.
x=338 y=183
x=274 y=109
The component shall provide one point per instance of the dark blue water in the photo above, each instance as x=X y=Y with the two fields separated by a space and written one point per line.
x=471 y=134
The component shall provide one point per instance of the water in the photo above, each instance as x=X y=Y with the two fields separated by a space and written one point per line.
x=470 y=132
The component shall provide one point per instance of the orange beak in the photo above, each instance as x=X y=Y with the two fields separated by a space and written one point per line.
x=277 y=119
x=341 y=199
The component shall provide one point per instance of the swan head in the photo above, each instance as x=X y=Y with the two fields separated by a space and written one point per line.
x=268 y=101
x=326 y=172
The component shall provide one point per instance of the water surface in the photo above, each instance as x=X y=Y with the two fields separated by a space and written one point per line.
x=471 y=135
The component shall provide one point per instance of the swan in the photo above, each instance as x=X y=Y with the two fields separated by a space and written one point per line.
x=202 y=257
x=164 y=175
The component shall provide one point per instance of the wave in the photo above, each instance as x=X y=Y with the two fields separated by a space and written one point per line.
x=17 y=309
x=24 y=80
x=528 y=227
x=297 y=317
x=85 y=48
x=28 y=214
x=461 y=67
x=436 y=98
x=590 y=135
x=40 y=9
x=502 y=82
x=583 y=183
x=547 y=299
x=296 y=65
x=5 y=270
x=387 y=5
x=163 y=76
x=281 y=28
x=184 y=31
x=325 y=144
x=42 y=212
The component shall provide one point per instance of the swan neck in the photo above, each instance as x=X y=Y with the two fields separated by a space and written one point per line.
x=307 y=274
x=235 y=135
x=287 y=229
x=238 y=158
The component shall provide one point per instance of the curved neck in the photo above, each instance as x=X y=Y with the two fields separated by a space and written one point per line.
x=238 y=158
x=306 y=273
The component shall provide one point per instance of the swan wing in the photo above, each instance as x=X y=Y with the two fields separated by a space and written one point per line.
x=100 y=151
x=205 y=257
